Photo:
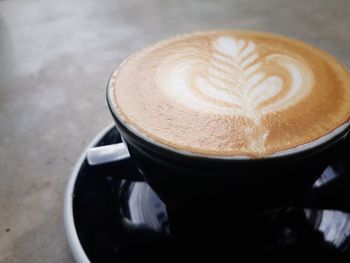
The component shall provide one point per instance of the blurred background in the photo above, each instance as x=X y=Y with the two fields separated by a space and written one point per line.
x=55 y=60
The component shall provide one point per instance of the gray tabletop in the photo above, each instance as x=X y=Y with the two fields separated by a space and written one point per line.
x=55 y=59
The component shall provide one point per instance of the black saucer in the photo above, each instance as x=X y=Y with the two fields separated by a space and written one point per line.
x=125 y=221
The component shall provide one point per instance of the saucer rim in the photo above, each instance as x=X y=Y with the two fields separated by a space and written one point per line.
x=68 y=217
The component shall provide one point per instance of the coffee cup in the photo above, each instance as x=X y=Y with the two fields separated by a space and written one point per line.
x=259 y=163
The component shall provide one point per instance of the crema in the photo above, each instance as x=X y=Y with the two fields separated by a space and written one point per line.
x=227 y=93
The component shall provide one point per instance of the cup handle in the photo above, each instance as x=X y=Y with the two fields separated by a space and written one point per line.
x=107 y=154
x=113 y=160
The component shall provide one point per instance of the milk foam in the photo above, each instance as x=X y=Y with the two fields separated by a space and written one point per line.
x=234 y=81
x=233 y=93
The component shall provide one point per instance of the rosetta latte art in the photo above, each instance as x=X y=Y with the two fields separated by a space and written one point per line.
x=233 y=81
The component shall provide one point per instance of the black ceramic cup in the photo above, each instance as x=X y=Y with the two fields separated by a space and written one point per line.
x=184 y=179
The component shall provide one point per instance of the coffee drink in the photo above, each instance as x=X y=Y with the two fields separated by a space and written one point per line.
x=228 y=93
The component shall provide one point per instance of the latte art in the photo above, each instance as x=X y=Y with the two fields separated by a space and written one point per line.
x=232 y=93
x=234 y=81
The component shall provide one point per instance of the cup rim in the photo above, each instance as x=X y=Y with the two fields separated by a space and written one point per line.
x=309 y=148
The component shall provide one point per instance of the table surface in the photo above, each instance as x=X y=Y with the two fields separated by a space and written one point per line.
x=55 y=59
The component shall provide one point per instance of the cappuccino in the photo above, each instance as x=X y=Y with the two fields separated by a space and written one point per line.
x=227 y=93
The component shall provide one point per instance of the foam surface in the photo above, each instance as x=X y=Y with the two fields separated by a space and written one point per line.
x=232 y=93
